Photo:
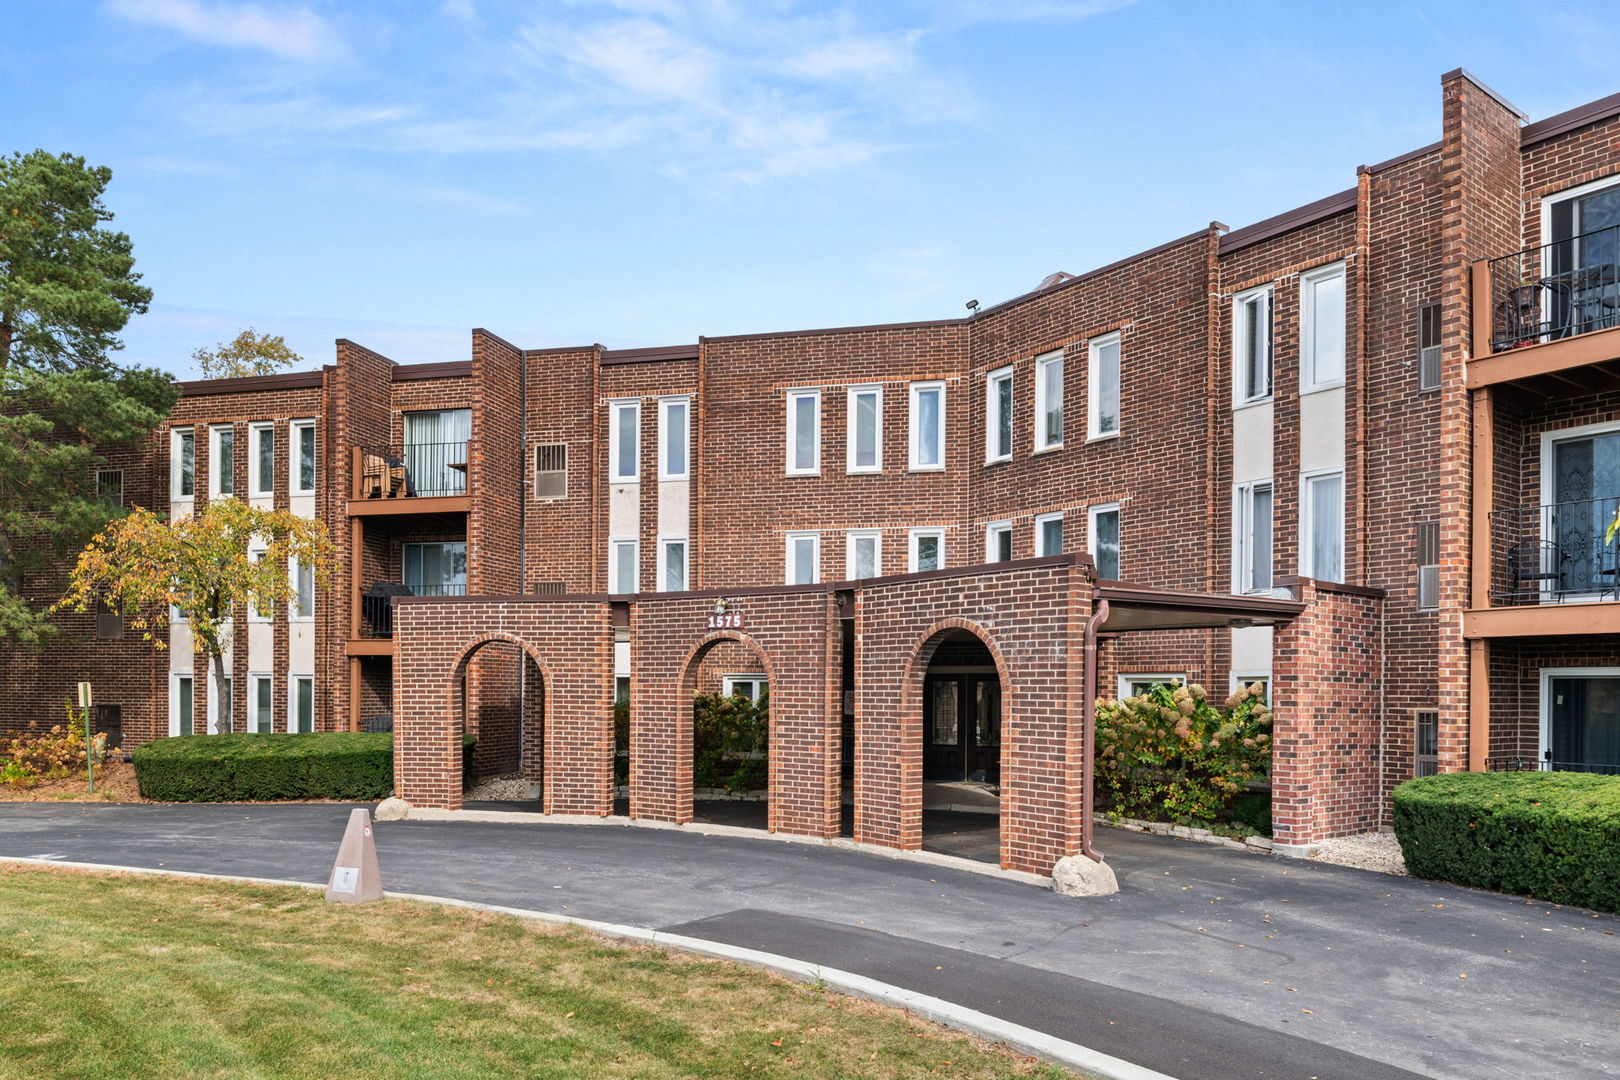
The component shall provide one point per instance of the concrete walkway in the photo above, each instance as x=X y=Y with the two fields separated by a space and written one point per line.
x=1209 y=964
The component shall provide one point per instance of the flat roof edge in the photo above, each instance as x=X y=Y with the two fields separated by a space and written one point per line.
x=286 y=380
x=1567 y=121
x=1286 y=222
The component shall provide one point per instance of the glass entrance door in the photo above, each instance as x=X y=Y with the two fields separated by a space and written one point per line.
x=962 y=727
x=436 y=569
x=1583 y=281
x=1582 y=732
x=1585 y=495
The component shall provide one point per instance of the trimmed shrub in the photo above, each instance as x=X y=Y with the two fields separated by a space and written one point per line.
x=1551 y=835
x=354 y=766
x=729 y=736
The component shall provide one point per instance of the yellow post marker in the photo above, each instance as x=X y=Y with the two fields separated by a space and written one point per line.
x=85 y=702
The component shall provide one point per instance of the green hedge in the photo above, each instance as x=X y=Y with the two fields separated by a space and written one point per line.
x=1551 y=835
x=345 y=765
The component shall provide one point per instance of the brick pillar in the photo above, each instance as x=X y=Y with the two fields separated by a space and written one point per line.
x=804 y=743
x=888 y=735
x=1325 y=692
x=660 y=723
x=427 y=733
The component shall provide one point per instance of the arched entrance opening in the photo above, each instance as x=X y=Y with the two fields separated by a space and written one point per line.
x=961 y=745
x=497 y=704
x=727 y=689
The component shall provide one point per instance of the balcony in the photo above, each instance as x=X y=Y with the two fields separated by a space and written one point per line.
x=1551 y=572
x=377 y=607
x=410 y=478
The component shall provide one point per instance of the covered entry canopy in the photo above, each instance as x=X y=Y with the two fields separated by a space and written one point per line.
x=1142 y=607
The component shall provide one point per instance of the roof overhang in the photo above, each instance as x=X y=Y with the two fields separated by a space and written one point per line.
x=1140 y=607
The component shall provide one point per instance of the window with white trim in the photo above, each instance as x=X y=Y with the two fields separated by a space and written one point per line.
x=998 y=542
x=863 y=554
x=674 y=438
x=672 y=564
x=803 y=558
x=257 y=613
x=1321 y=533
x=925 y=550
x=927 y=426
x=752 y=687
x=624 y=570
x=261 y=459
x=182 y=704
x=1136 y=685
x=1259 y=682
x=1321 y=328
x=1049 y=534
x=803 y=432
x=1102 y=539
x=183 y=463
x=1049 y=400
x=1102 y=385
x=624 y=442
x=998 y=415
x=221 y=460
x=302 y=608
x=1251 y=536
x=301 y=457
x=1251 y=345
x=301 y=704
x=261 y=704
x=864 y=416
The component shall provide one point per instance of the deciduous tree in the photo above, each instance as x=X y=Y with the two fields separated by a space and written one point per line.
x=249 y=353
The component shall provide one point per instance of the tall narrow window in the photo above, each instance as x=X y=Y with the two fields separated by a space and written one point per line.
x=257 y=612
x=803 y=558
x=302 y=704
x=998 y=542
x=1321 y=328
x=624 y=442
x=1429 y=347
x=1427 y=744
x=672 y=564
x=1251 y=344
x=1428 y=565
x=1102 y=395
x=110 y=486
x=262 y=459
x=223 y=466
x=551 y=471
x=1322 y=533
x=262 y=718
x=804 y=432
x=303 y=581
x=623 y=570
x=1104 y=540
x=109 y=621
x=1049 y=534
x=301 y=451
x=1049 y=400
x=927 y=550
x=927 y=426
x=674 y=437
x=998 y=415
x=863 y=554
x=1251 y=532
x=181 y=722
x=184 y=469
x=865 y=418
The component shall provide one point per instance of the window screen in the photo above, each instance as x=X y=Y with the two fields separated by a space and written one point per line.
x=551 y=471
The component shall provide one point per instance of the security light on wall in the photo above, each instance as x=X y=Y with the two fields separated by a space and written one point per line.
x=720 y=605
x=973 y=306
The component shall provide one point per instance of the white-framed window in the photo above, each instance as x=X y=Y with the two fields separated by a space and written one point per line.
x=863 y=554
x=183 y=463
x=1321 y=531
x=1251 y=536
x=1049 y=534
x=257 y=613
x=1049 y=401
x=301 y=704
x=221 y=460
x=672 y=564
x=302 y=608
x=1102 y=539
x=1251 y=346
x=1580 y=723
x=803 y=432
x=624 y=565
x=998 y=415
x=1321 y=328
x=261 y=459
x=803 y=558
x=1102 y=386
x=674 y=438
x=182 y=704
x=927 y=426
x=1134 y=685
x=925 y=550
x=1577 y=284
x=998 y=542
x=301 y=457
x=437 y=568
x=261 y=704
x=751 y=687
x=624 y=442
x=1240 y=679
x=221 y=706
x=864 y=416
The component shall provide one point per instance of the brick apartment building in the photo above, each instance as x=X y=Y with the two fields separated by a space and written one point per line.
x=1363 y=451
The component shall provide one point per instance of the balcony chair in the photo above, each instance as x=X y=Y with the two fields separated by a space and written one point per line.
x=1532 y=565
x=377 y=606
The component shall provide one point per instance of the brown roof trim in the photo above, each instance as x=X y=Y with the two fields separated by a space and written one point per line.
x=493 y=336
x=286 y=380
x=559 y=349
x=1372 y=592
x=447 y=369
x=1580 y=116
x=871 y=327
x=650 y=354
x=1298 y=218
x=1126 y=595
x=1400 y=159
x=1099 y=271
x=1464 y=73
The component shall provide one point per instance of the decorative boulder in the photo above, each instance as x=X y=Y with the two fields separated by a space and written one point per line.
x=392 y=809
x=1077 y=875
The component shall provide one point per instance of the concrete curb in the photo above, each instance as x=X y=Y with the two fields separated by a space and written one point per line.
x=927 y=858
x=1020 y=1038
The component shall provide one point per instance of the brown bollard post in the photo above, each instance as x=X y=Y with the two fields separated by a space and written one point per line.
x=356 y=877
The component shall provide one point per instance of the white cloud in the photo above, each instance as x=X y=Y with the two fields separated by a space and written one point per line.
x=464 y=10
x=293 y=33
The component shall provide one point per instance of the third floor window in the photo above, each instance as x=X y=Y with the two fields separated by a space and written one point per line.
x=1251 y=345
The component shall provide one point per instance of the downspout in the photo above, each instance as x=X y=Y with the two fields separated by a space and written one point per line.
x=1099 y=615
x=525 y=461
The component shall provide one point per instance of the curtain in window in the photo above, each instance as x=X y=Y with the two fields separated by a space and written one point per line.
x=1105 y=545
x=435 y=443
x=804 y=432
x=1327 y=528
x=928 y=441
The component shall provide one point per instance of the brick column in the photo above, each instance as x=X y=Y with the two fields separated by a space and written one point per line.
x=804 y=744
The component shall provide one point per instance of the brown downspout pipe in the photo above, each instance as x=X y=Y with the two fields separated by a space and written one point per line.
x=1099 y=615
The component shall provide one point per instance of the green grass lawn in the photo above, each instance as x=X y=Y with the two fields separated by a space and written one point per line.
x=106 y=976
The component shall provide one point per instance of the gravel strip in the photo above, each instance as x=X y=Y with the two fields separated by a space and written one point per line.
x=1369 y=851
x=511 y=787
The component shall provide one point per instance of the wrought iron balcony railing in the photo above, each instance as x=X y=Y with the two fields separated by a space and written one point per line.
x=1555 y=554
x=1558 y=290
x=411 y=470
x=1530 y=763
x=377 y=608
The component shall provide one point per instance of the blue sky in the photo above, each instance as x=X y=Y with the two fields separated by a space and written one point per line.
x=639 y=172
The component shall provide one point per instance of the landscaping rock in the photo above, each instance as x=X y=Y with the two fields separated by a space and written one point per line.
x=1078 y=875
x=392 y=809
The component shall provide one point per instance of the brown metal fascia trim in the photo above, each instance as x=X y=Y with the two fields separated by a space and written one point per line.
x=446 y=369
x=1124 y=596
x=560 y=350
x=493 y=336
x=870 y=328
x=1565 y=122
x=287 y=380
x=1297 y=218
x=1344 y=589
x=1089 y=275
x=652 y=354
x=1400 y=159
x=1464 y=73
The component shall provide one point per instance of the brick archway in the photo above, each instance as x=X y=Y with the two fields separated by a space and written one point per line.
x=531 y=743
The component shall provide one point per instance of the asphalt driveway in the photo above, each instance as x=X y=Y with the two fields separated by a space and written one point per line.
x=1209 y=963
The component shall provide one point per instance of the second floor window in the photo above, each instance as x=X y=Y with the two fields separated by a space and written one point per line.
x=623 y=570
x=624 y=442
x=184 y=450
x=436 y=569
x=864 y=555
x=865 y=418
x=1322 y=532
x=927 y=550
x=1103 y=395
x=303 y=580
x=1321 y=328
x=804 y=432
x=672 y=564
x=1049 y=400
x=803 y=558
x=1251 y=531
x=301 y=467
x=1105 y=547
x=674 y=437
x=1428 y=565
x=1429 y=347
x=998 y=542
x=998 y=415
x=1049 y=534
x=223 y=467
x=262 y=459
x=1251 y=344
x=927 y=426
